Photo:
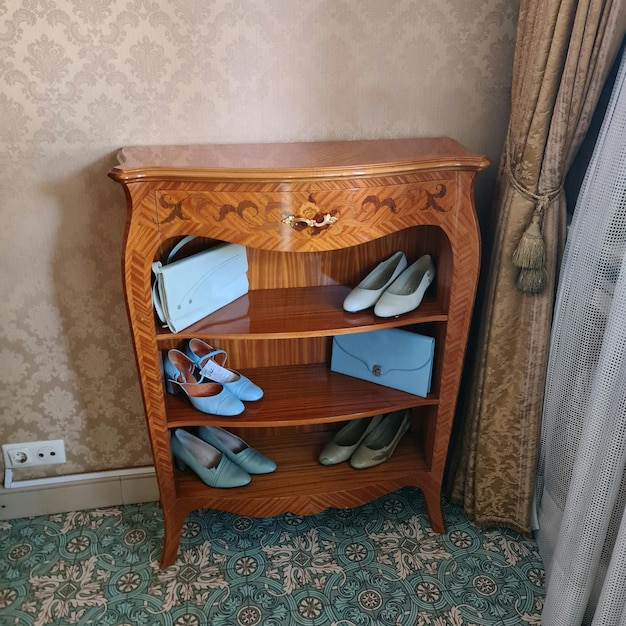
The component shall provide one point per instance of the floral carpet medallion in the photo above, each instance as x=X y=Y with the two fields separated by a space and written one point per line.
x=378 y=565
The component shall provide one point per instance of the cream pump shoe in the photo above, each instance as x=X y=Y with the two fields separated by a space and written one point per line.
x=369 y=290
x=382 y=441
x=347 y=440
x=406 y=292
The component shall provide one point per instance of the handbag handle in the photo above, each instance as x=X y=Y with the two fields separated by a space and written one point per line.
x=157 y=267
x=183 y=242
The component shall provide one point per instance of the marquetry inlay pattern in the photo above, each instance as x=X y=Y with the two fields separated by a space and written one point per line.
x=250 y=207
x=314 y=219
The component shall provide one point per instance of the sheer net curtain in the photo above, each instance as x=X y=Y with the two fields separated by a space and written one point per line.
x=581 y=492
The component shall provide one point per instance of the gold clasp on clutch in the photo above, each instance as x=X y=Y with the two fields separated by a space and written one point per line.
x=376 y=370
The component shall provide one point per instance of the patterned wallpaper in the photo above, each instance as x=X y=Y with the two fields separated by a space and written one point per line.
x=80 y=78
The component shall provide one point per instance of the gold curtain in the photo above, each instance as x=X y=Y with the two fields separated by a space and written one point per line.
x=564 y=50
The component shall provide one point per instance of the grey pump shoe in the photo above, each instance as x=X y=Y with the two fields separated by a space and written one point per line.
x=367 y=292
x=381 y=442
x=347 y=440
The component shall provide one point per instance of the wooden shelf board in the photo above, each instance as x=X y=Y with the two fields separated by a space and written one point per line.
x=295 y=313
x=300 y=395
x=301 y=485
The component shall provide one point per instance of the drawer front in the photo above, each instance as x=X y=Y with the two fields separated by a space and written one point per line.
x=300 y=221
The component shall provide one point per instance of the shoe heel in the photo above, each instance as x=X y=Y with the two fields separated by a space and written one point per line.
x=171 y=387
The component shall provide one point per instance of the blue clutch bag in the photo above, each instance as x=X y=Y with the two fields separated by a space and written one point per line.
x=390 y=357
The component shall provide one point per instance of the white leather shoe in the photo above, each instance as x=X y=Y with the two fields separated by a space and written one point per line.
x=367 y=292
x=407 y=291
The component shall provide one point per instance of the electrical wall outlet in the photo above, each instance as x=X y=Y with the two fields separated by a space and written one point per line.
x=33 y=453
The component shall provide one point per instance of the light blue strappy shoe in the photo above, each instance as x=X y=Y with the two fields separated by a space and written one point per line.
x=205 y=396
x=203 y=355
x=237 y=450
x=210 y=465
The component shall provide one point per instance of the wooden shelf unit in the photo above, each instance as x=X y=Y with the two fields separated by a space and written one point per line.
x=386 y=195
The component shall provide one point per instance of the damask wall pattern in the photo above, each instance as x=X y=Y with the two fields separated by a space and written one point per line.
x=81 y=78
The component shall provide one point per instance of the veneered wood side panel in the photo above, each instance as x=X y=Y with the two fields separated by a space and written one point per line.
x=141 y=243
x=460 y=287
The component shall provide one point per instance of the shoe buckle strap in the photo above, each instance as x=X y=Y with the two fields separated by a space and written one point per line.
x=209 y=357
x=215 y=372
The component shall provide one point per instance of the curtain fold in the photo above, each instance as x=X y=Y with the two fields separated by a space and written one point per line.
x=564 y=50
x=582 y=463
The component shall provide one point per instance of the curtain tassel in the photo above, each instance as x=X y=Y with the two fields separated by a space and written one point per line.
x=531 y=280
x=530 y=253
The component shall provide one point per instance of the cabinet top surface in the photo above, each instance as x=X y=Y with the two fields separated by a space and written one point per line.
x=293 y=160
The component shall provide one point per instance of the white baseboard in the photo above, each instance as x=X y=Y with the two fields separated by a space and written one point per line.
x=77 y=493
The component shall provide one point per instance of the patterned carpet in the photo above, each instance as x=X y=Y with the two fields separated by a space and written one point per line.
x=379 y=564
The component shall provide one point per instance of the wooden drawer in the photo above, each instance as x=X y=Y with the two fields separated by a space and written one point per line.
x=302 y=221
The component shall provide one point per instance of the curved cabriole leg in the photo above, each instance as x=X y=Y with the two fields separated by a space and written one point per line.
x=173 y=520
x=433 y=508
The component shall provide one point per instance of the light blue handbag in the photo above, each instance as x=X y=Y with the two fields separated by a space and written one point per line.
x=187 y=290
x=390 y=357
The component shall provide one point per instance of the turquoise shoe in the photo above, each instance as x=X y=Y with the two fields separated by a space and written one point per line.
x=203 y=356
x=211 y=466
x=208 y=397
x=237 y=450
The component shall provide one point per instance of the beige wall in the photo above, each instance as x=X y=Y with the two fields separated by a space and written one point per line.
x=80 y=78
